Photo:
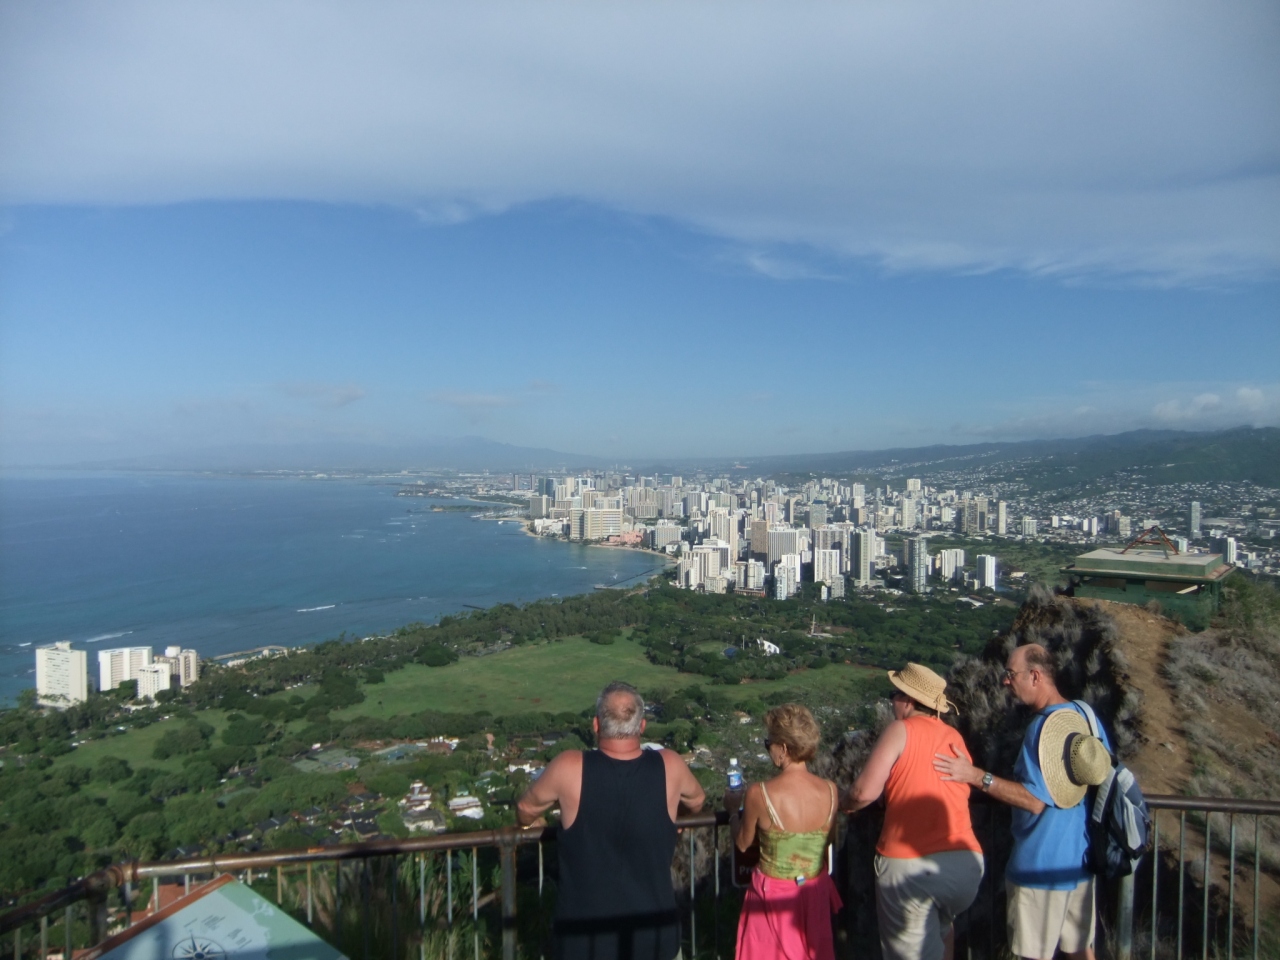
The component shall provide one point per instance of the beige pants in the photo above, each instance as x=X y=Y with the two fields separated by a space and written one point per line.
x=1041 y=921
x=918 y=897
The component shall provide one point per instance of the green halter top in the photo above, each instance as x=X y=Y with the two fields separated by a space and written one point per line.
x=793 y=856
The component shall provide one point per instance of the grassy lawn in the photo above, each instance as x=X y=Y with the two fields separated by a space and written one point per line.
x=562 y=676
x=135 y=746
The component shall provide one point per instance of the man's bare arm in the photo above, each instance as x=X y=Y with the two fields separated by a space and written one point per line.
x=960 y=770
x=544 y=793
x=692 y=796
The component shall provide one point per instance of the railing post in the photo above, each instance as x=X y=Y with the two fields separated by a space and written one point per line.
x=507 y=857
x=1124 y=919
x=44 y=937
x=1204 y=932
x=68 y=917
x=97 y=905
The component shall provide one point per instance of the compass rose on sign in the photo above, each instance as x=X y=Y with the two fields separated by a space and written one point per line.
x=198 y=948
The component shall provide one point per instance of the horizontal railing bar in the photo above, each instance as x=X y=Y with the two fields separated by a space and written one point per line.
x=119 y=874
x=1163 y=801
x=116 y=875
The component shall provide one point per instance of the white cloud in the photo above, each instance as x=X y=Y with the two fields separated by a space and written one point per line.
x=1133 y=139
x=1251 y=398
x=1117 y=407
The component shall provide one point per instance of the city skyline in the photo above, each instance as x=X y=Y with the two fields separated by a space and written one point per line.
x=632 y=233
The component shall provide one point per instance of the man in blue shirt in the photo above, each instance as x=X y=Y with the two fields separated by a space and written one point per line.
x=1050 y=892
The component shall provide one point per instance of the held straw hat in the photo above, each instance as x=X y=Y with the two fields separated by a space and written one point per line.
x=1071 y=758
x=922 y=685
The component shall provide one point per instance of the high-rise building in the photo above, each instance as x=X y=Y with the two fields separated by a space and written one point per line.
x=184 y=665
x=987 y=571
x=723 y=525
x=748 y=575
x=918 y=564
x=864 y=550
x=153 y=679
x=913 y=485
x=1195 y=519
x=1227 y=547
x=782 y=540
x=817 y=514
x=1124 y=527
x=786 y=576
x=972 y=515
x=826 y=566
x=1028 y=526
x=950 y=564
x=62 y=675
x=121 y=664
x=908 y=513
x=1002 y=517
x=663 y=533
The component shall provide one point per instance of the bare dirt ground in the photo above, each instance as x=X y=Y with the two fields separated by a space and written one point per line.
x=1163 y=762
x=1168 y=760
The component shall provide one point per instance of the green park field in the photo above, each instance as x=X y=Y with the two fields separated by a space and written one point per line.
x=559 y=676
x=135 y=746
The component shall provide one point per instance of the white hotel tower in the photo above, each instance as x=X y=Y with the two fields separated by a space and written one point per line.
x=62 y=675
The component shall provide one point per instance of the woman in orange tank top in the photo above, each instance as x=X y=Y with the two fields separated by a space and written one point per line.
x=928 y=861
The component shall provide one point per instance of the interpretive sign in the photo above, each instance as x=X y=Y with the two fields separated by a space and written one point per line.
x=219 y=921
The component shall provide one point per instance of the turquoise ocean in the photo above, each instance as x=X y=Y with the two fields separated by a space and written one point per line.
x=221 y=564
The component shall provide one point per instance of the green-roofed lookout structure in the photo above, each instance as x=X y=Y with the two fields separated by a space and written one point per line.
x=1187 y=586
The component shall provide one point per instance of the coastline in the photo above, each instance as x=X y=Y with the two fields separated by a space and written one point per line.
x=292 y=564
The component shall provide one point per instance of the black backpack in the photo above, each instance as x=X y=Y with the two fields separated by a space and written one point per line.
x=1119 y=822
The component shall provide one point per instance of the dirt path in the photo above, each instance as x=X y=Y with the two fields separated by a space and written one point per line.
x=1162 y=763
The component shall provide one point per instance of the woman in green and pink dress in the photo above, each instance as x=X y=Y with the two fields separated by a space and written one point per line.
x=787 y=909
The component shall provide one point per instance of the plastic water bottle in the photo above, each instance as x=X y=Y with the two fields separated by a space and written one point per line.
x=735 y=774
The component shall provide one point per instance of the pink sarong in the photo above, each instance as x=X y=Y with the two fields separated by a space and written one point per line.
x=785 y=919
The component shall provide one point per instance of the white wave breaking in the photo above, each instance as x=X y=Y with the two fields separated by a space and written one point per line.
x=329 y=606
x=108 y=636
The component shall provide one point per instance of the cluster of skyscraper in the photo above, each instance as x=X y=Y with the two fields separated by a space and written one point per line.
x=63 y=679
x=755 y=536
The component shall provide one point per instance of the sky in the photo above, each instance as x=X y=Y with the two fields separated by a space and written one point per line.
x=633 y=230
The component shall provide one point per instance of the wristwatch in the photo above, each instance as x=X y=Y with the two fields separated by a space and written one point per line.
x=987 y=779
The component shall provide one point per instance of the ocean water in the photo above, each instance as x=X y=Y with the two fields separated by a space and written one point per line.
x=226 y=564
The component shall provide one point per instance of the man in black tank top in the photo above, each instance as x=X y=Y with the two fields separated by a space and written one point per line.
x=618 y=806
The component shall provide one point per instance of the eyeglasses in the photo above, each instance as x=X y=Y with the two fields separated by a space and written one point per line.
x=1010 y=674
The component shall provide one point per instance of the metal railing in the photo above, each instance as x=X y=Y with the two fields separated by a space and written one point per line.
x=1200 y=923
x=428 y=896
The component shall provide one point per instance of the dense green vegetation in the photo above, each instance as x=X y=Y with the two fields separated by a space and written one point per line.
x=208 y=766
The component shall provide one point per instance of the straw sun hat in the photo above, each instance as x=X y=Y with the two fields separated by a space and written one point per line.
x=922 y=685
x=1071 y=758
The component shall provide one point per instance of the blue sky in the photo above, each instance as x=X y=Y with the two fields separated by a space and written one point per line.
x=634 y=231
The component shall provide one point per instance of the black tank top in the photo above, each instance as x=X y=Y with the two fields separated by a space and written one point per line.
x=615 y=897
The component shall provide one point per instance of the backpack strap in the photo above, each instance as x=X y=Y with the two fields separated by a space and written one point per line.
x=1094 y=725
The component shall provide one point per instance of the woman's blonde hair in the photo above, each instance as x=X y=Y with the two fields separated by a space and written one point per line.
x=793 y=726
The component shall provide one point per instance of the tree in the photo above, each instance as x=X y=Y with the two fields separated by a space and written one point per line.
x=111 y=770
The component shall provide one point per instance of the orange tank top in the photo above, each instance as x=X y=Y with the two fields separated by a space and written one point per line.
x=925 y=814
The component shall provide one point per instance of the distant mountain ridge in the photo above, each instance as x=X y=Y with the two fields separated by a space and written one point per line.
x=1164 y=456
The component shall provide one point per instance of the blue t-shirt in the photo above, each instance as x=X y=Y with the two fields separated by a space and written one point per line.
x=1048 y=848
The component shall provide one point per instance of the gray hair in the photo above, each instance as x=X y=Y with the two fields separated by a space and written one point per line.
x=620 y=711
